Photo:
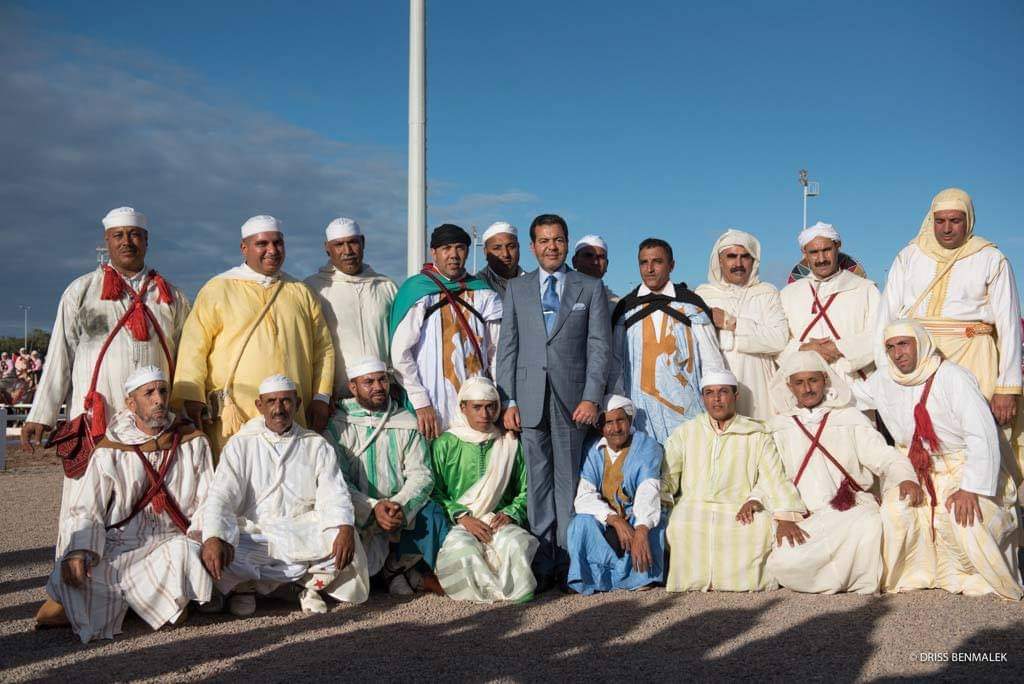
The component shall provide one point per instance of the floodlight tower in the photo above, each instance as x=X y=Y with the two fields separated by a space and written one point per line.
x=810 y=188
x=417 y=198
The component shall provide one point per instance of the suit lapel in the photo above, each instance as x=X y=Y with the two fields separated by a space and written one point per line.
x=570 y=295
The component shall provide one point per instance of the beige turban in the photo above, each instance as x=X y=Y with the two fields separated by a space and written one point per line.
x=928 y=359
x=734 y=238
x=955 y=199
x=837 y=395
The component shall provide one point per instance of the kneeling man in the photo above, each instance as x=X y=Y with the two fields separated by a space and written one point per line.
x=279 y=512
x=480 y=480
x=617 y=537
x=964 y=540
x=385 y=461
x=721 y=472
x=832 y=454
x=131 y=522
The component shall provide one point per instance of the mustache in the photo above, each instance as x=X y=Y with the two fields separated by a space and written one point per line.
x=823 y=263
x=738 y=269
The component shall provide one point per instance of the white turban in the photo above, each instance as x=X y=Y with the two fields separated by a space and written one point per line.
x=124 y=216
x=260 y=224
x=734 y=238
x=277 y=383
x=722 y=377
x=837 y=395
x=143 y=376
x=478 y=388
x=498 y=228
x=342 y=227
x=590 y=241
x=617 y=401
x=928 y=358
x=365 y=366
x=819 y=229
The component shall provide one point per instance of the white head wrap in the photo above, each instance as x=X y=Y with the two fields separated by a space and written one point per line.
x=124 y=216
x=478 y=388
x=819 y=229
x=498 y=228
x=928 y=359
x=365 y=366
x=722 y=377
x=617 y=401
x=143 y=376
x=590 y=241
x=277 y=383
x=342 y=227
x=260 y=224
x=836 y=396
x=734 y=238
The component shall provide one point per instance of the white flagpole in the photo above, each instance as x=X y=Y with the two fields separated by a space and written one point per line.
x=417 y=225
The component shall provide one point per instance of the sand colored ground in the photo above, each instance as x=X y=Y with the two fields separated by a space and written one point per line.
x=649 y=636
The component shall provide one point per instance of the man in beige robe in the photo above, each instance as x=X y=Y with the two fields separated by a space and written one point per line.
x=752 y=326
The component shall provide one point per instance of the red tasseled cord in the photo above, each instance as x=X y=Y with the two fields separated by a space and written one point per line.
x=94 y=405
x=113 y=284
x=163 y=289
x=137 y=323
x=845 y=496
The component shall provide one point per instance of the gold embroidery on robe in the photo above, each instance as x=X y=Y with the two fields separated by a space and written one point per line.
x=653 y=348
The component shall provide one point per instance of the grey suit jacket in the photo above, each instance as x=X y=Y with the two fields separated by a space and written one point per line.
x=574 y=359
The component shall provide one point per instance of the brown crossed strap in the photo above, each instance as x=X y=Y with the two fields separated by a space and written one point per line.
x=821 y=313
x=460 y=318
x=156 y=493
x=816 y=445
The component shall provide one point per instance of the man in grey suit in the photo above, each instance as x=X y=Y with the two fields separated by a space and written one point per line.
x=554 y=351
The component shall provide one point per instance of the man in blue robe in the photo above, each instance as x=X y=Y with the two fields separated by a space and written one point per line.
x=617 y=537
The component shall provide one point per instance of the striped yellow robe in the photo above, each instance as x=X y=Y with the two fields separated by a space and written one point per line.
x=707 y=476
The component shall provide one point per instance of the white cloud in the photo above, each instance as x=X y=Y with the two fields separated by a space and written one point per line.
x=85 y=128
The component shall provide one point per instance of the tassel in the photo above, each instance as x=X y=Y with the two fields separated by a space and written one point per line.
x=845 y=496
x=137 y=323
x=231 y=418
x=97 y=410
x=113 y=284
x=164 y=295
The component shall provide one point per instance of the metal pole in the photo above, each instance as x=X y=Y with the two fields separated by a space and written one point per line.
x=417 y=225
x=805 y=207
x=26 y=309
x=476 y=247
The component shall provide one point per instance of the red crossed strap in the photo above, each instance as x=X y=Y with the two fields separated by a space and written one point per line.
x=844 y=498
x=821 y=314
x=157 y=493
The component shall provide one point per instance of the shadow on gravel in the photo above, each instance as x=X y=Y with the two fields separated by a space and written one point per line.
x=12 y=559
x=12 y=586
x=1007 y=643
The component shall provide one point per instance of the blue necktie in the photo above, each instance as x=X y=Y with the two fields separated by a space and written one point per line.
x=549 y=302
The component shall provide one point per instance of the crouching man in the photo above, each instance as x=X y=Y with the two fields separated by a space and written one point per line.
x=279 y=512
x=132 y=524
x=833 y=454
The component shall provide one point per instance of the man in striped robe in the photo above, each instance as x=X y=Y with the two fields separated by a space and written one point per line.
x=384 y=459
x=480 y=479
x=133 y=522
x=724 y=481
x=833 y=454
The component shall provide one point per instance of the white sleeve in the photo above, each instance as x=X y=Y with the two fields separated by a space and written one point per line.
x=858 y=347
x=962 y=397
x=647 y=503
x=711 y=359
x=589 y=502
x=224 y=498
x=203 y=463
x=1005 y=304
x=60 y=361
x=768 y=333
x=403 y=358
x=333 y=501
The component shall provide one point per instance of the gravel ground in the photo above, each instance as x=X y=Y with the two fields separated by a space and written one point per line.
x=774 y=636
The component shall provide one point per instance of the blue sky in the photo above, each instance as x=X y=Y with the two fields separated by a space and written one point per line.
x=674 y=120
